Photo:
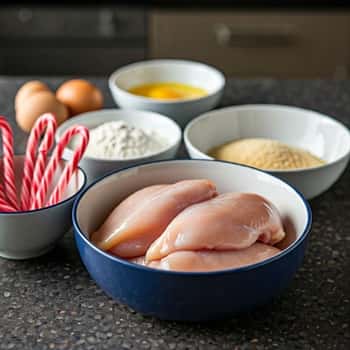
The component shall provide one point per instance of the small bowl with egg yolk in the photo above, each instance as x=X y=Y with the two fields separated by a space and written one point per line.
x=177 y=88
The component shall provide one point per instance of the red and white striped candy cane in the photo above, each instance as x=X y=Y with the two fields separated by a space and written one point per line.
x=35 y=159
x=72 y=165
x=8 y=162
x=68 y=170
x=48 y=124
x=4 y=206
x=2 y=193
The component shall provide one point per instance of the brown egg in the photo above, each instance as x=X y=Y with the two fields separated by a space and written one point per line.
x=36 y=105
x=79 y=96
x=28 y=89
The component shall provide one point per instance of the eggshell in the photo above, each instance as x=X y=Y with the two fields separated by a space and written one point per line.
x=28 y=89
x=80 y=96
x=36 y=105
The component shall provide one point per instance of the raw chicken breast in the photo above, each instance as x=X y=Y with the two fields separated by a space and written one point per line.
x=192 y=261
x=229 y=221
x=142 y=217
x=140 y=260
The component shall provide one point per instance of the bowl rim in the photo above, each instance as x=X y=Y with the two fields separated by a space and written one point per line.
x=23 y=212
x=291 y=247
x=189 y=144
x=113 y=85
x=87 y=115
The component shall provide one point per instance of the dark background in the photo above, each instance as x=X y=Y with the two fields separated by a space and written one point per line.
x=281 y=39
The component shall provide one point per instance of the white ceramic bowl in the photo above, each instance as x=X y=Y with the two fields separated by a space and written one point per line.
x=28 y=234
x=317 y=133
x=96 y=167
x=187 y=72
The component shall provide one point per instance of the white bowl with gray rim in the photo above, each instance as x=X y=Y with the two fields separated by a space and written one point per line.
x=29 y=234
x=319 y=134
x=96 y=167
x=168 y=70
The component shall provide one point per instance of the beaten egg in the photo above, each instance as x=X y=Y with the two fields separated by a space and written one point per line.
x=168 y=91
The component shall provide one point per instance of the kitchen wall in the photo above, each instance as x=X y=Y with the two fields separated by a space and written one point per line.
x=278 y=42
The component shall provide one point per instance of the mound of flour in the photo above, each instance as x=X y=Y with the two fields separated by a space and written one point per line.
x=118 y=140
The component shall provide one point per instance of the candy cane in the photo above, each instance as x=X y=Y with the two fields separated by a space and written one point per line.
x=48 y=122
x=4 y=206
x=2 y=192
x=8 y=162
x=68 y=170
x=34 y=164
x=73 y=163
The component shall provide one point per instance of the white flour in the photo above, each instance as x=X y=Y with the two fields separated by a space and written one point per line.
x=119 y=140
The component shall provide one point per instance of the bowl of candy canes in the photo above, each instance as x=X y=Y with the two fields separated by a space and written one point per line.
x=37 y=189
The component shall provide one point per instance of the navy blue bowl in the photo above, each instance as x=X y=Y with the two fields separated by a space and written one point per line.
x=185 y=296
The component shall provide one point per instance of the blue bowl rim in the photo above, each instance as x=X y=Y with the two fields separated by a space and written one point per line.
x=70 y=198
x=129 y=264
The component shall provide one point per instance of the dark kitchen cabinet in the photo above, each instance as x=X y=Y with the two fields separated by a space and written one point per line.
x=77 y=40
x=281 y=44
x=63 y=40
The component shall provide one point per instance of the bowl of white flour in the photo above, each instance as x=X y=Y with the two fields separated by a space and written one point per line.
x=120 y=138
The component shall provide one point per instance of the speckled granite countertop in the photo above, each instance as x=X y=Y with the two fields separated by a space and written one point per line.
x=51 y=303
